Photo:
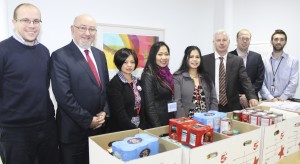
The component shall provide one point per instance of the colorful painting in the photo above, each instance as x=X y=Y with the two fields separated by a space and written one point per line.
x=111 y=38
x=139 y=43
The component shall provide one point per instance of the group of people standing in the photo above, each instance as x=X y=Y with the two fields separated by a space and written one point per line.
x=89 y=104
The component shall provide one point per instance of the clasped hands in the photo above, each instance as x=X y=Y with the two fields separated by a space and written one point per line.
x=98 y=120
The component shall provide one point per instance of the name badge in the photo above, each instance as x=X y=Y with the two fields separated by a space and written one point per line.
x=172 y=107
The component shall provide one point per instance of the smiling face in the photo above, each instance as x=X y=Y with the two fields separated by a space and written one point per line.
x=221 y=43
x=128 y=65
x=162 y=57
x=194 y=60
x=29 y=32
x=84 y=39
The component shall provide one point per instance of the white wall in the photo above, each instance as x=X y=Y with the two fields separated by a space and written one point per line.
x=186 y=22
x=263 y=17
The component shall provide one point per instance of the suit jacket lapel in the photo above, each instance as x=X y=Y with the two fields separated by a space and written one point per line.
x=229 y=64
x=82 y=62
x=98 y=64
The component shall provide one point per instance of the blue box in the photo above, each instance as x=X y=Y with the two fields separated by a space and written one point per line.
x=138 y=146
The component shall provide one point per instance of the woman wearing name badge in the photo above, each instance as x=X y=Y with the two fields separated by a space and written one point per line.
x=125 y=94
x=158 y=86
x=194 y=91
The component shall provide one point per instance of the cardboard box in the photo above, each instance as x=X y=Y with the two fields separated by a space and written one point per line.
x=98 y=145
x=293 y=158
x=240 y=149
x=281 y=139
x=185 y=151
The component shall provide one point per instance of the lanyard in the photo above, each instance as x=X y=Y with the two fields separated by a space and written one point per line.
x=135 y=99
x=274 y=73
x=172 y=90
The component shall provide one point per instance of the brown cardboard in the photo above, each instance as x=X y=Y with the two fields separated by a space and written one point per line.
x=293 y=158
x=185 y=151
x=99 y=144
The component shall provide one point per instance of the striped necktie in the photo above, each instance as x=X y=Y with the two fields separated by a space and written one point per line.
x=222 y=83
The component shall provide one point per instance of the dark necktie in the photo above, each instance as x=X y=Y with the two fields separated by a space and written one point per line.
x=222 y=83
x=93 y=68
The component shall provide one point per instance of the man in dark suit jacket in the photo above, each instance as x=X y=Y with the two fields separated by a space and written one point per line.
x=80 y=91
x=253 y=63
x=235 y=73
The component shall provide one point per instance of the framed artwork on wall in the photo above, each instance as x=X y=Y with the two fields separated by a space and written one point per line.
x=111 y=38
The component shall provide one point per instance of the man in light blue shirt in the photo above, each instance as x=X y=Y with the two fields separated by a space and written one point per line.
x=281 y=71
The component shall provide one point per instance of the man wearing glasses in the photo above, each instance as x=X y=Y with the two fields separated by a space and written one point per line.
x=28 y=132
x=253 y=63
x=79 y=78
x=282 y=71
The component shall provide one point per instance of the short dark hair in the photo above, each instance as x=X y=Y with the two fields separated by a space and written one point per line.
x=279 y=31
x=151 y=65
x=122 y=54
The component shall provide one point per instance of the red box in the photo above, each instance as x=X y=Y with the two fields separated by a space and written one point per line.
x=197 y=135
x=175 y=127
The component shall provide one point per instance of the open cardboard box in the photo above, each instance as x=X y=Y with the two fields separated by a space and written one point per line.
x=293 y=158
x=242 y=148
x=185 y=151
x=98 y=145
x=282 y=139
x=289 y=110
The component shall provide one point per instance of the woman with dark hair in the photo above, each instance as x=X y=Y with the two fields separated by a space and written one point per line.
x=194 y=91
x=125 y=94
x=158 y=86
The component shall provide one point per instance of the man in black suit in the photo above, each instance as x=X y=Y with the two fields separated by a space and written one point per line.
x=79 y=80
x=235 y=73
x=252 y=61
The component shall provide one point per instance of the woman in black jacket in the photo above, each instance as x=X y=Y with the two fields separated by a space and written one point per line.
x=125 y=94
x=158 y=86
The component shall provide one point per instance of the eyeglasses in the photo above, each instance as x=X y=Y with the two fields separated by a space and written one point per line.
x=84 y=28
x=26 y=21
x=244 y=39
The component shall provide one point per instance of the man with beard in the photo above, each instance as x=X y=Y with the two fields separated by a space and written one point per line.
x=79 y=78
x=282 y=73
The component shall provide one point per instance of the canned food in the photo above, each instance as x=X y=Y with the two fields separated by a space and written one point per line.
x=266 y=120
x=255 y=119
x=235 y=132
x=274 y=118
x=228 y=133
x=258 y=110
x=251 y=111
x=237 y=115
x=226 y=124
x=246 y=116
x=279 y=117
x=268 y=112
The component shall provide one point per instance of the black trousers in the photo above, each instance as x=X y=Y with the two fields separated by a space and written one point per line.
x=29 y=145
x=74 y=153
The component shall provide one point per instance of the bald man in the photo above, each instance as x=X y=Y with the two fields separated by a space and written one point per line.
x=253 y=63
x=28 y=132
x=79 y=79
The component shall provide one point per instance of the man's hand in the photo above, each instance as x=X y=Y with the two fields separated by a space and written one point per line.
x=244 y=102
x=98 y=121
x=253 y=102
